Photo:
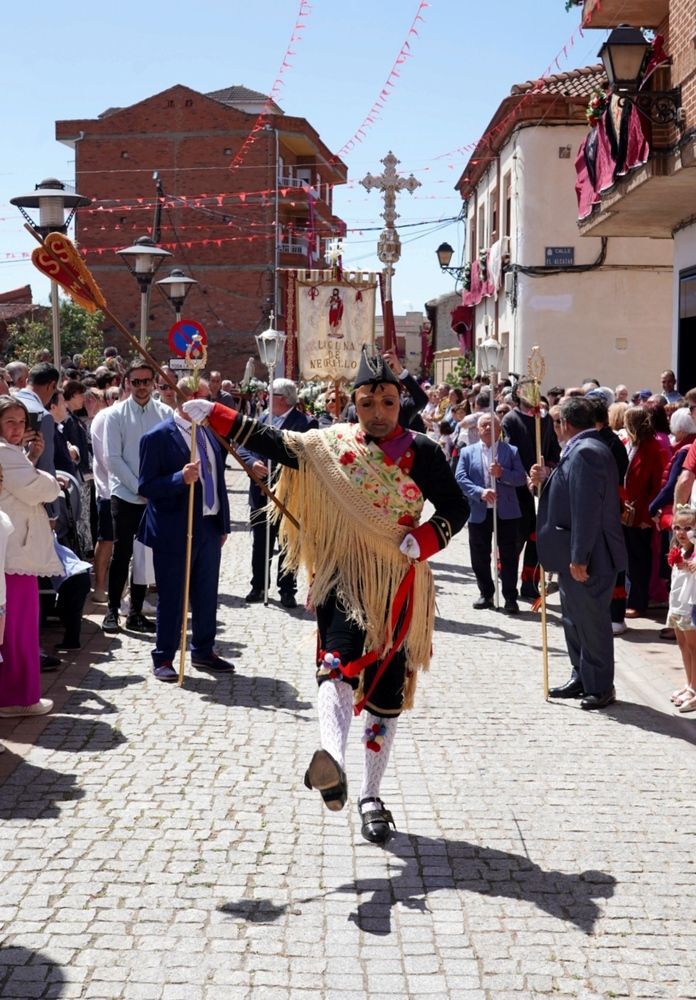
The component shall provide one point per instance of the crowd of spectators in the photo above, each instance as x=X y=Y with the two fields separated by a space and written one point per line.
x=70 y=508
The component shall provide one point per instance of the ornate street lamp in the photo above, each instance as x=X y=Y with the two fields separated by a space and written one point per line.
x=143 y=260
x=52 y=200
x=270 y=345
x=625 y=55
x=175 y=288
x=444 y=256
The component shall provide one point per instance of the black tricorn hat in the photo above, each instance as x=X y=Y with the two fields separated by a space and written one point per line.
x=374 y=371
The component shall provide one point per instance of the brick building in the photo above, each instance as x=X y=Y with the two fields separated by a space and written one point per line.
x=236 y=206
x=659 y=199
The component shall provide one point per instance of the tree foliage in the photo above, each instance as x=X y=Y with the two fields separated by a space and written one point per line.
x=80 y=333
x=464 y=367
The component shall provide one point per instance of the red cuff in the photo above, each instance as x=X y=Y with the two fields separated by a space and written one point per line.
x=222 y=418
x=428 y=541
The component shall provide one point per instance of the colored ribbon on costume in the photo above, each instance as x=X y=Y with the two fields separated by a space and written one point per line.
x=403 y=605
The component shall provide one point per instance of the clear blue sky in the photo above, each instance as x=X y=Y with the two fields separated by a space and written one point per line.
x=464 y=61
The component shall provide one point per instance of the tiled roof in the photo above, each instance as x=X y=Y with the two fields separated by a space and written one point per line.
x=228 y=95
x=575 y=83
x=10 y=310
x=17 y=295
x=15 y=304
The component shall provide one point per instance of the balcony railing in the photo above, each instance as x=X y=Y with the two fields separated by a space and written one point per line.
x=293 y=247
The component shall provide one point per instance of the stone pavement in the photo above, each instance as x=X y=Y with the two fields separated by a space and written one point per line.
x=158 y=843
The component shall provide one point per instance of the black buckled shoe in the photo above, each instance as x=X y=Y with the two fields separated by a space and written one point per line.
x=375 y=822
x=325 y=774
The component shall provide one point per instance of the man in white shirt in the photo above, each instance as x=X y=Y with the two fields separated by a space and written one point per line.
x=105 y=526
x=125 y=426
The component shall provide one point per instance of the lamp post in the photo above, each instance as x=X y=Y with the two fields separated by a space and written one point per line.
x=52 y=200
x=444 y=255
x=143 y=260
x=625 y=55
x=175 y=288
x=270 y=345
x=490 y=356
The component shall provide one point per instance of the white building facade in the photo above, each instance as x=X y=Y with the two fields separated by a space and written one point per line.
x=596 y=307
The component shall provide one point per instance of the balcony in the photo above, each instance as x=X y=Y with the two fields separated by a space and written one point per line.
x=293 y=246
x=651 y=201
x=637 y=13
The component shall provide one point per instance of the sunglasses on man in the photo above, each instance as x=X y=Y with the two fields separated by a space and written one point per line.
x=140 y=381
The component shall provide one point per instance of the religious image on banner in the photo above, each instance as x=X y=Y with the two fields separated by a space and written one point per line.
x=334 y=319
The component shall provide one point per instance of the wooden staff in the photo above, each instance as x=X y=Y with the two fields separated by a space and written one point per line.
x=85 y=292
x=536 y=366
x=197 y=363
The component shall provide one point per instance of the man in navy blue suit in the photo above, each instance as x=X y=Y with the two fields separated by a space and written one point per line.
x=165 y=476
x=285 y=417
x=490 y=484
x=579 y=537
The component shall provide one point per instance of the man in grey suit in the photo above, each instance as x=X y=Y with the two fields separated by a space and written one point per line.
x=489 y=484
x=579 y=537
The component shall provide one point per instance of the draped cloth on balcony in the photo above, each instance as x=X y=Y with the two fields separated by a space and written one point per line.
x=614 y=147
x=479 y=289
x=462 y=323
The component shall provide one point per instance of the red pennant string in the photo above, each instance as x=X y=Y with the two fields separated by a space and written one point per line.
x=303 y=12
x=403 y=51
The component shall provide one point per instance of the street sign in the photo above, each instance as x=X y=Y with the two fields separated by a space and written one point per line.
x=182 y=333
x=179 y=365
x=559 y=256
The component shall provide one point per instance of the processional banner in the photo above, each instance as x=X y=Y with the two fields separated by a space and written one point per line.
x=333 y=320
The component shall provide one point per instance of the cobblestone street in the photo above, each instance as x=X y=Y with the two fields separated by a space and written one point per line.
x=159 y=844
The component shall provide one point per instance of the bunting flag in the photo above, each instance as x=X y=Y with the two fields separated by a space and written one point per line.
x=373 y=114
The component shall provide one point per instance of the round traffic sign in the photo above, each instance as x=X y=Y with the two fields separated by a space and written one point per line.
x=182 y=333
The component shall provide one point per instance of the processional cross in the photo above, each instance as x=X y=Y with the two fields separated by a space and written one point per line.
x=389 y=182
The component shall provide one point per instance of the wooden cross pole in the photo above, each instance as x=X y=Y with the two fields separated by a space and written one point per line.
x=389 y=182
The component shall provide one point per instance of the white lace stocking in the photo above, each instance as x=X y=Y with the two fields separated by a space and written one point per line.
x=335 y=708
x=382 y=733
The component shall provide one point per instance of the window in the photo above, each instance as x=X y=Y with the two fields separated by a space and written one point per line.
x=493 y=214
x=481 y=227
x=507 y=204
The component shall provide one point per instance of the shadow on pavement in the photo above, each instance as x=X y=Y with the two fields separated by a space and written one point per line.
x=25 y=973
x=629 y=713
x=483 y=627
x=31 y=792
x=267 y=694
x=75 y=734
x=468 y=867
x=454 y=865
x=254 y=911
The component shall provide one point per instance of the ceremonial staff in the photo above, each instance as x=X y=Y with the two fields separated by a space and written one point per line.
x=536 y=368
x=270 y=344
x=490 y=355
x=197 y=363
x=60 y=261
